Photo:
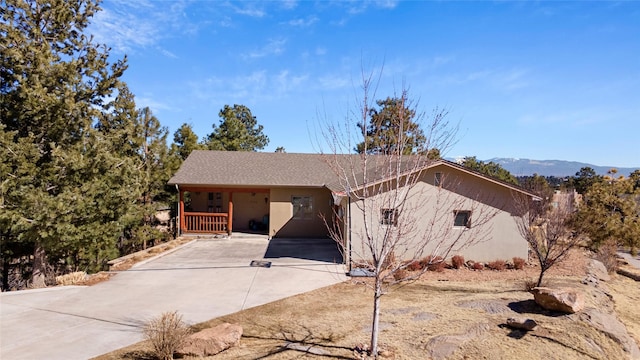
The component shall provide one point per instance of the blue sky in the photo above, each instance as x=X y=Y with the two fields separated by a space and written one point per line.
x=540 y=80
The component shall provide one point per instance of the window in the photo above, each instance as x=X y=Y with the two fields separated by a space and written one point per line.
x=437 y=179
x=302 y=207
x=462 y=218
x=389 y=217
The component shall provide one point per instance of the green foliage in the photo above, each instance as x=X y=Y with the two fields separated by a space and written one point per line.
x=238 y=131
x=392 y=128
x=185 y=141
x=611 y=212
x=584 y=179
x=491 y=169
x=80 y=164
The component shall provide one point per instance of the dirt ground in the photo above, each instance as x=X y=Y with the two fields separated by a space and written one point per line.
x=454 y=314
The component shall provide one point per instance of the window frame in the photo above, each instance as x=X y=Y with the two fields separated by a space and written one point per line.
x=387 y=220
x=437 y=179
x=301 y=207
x=467 y=214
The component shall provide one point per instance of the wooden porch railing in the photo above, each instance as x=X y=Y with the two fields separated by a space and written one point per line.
x=203 y=222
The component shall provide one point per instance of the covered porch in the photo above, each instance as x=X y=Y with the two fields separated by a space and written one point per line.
x=208 y=210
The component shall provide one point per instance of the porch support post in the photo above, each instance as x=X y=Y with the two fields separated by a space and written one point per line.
x=230 y=217
x=181 y=211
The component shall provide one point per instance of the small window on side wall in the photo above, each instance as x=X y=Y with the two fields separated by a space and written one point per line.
x=437 y=179
x=462 y=218
x=302 y=207
x=389 y=217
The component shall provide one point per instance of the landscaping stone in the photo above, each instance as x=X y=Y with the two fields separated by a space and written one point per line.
x=212 y=341
x=521 y=323
x=598 y=270
x=613 y=328
x=565 y=300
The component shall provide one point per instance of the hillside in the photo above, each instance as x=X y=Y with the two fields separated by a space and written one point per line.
x=519 y=167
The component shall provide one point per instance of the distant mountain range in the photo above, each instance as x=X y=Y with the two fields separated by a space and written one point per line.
x=560 y=168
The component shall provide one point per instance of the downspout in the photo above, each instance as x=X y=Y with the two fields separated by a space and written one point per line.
x=178 y=225
x=349 y=227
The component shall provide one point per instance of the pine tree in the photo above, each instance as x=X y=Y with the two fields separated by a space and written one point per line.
x=65 y=189
x=238 y=131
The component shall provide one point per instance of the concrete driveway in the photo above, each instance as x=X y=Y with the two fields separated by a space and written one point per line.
x=203 y=279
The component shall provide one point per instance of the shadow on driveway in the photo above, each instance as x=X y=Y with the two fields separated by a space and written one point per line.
x=325 y=250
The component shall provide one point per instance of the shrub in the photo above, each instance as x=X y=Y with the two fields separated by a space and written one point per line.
x=457 y=261
x=72 y=278
x=400 y=274
x=518 y=263
x=432 y=263
x=166 y=334
x=497 y=265
x=414 y=266
x=529 y=284
x=477 y=266
x=389 y=261
x=608 y=255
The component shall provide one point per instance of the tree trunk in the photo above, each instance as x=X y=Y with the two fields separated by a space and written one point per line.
x=373 y=349
x=39 y=267
x=542 y=270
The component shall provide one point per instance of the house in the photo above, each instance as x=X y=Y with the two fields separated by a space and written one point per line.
x=290 y=195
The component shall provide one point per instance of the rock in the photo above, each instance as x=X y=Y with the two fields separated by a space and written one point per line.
x=211 y=341
x=613 y=328
x=590 y=280
x=564 y=300
x=598 y=270
x=521 y=323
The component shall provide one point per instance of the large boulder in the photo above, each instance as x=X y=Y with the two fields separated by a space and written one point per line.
x=597 y=269
x=211 y=341
x=613 y=328
x=563 y=299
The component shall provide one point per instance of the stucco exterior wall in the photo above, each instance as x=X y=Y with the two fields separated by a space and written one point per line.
x=249 y=206
x=430 y=212
x=282 y=222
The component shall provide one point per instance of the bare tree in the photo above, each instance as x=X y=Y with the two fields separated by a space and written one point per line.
x=395 y=216
x=546 y=227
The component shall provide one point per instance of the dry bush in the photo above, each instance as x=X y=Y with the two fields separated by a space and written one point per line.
x=166 y=334
x=518 y=263
x=608 y=255
x=389 y=261
x=414 y=266
x=73 y=278
x=529 y=284
x=432 y=263
x=457 y=262
x=400 y=274
x=497 y=265
x=477 y=266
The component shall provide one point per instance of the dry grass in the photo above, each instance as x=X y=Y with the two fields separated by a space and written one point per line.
x=166 y=333
x=413 y=314
x=73 y=278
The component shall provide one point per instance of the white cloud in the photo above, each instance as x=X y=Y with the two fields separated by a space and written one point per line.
x=128 y=26
x=156 y=106
x=303 y=22
x=272 y=47
x=250 y=10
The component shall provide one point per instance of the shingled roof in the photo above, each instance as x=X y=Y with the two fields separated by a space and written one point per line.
x=262 y=169
x=253 y=169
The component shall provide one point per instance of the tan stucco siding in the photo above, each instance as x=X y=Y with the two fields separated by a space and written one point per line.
x=249 y=206
x=282 y=222
x=426 y=224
